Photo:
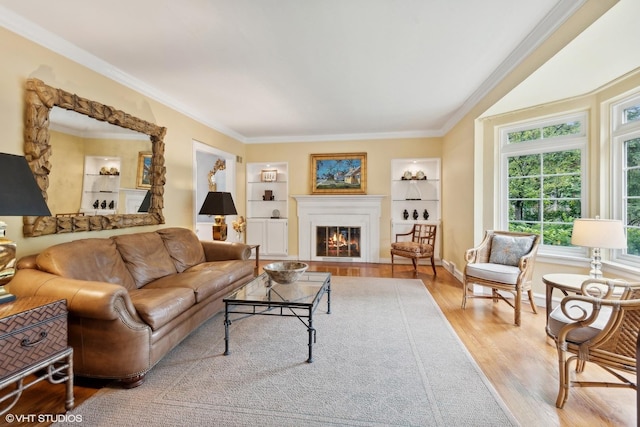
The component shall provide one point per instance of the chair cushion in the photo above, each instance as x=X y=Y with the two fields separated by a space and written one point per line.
x=159 y=306
x=494 y=272
x=508 y=250
x=412 y=247
x=557 y=320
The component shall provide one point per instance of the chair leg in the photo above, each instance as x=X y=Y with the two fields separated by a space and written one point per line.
x=392 y=262
x=415 y=264
x=563 y=378
x=532 y=301
x=518 y=307
x=433 y=266
x=464 y=294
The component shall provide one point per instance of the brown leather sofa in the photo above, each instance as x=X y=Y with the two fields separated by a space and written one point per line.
x=133 y=297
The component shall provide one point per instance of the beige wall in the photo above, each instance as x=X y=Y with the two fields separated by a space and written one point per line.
x=22 y=59
x=379 y=155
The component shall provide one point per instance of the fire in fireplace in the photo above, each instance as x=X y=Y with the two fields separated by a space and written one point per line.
x=337 y=241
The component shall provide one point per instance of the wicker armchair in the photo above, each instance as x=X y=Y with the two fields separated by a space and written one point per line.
x=421 y=245
x=601 y=327
x=503 y=261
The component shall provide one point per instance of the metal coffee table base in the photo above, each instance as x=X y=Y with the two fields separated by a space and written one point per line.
x=276 y=304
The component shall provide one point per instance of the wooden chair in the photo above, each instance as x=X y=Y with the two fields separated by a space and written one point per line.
x=421 y=245
x=503 y=261
x=600 y=328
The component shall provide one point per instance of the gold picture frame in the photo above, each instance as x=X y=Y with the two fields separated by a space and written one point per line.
x=339 y=173
x=143 y=178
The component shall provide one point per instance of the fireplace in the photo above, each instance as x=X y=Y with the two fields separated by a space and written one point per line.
x=339 y=228
x=338 y=241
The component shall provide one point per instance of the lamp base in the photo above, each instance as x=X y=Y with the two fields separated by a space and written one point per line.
x=596 y=264
x=219 y=229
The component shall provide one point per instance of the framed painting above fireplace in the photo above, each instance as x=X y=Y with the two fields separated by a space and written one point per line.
x=344 y=173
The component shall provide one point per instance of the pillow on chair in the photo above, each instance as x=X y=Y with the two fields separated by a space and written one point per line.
x=508 y=250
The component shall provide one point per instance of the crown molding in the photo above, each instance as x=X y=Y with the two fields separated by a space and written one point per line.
x=343 y=137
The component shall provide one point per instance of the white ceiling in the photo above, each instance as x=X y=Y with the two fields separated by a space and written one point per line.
x=281 y=70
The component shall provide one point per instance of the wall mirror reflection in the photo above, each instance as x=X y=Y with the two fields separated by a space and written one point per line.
x=84 y=156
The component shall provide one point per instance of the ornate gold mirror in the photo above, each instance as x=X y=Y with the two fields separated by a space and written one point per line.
x=40 y=99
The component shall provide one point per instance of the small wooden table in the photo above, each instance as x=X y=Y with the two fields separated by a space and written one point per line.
x=257 y=249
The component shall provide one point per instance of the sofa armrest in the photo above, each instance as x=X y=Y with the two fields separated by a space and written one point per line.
x=216 y=250
x=96 y=300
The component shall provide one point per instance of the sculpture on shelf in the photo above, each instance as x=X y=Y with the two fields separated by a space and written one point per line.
x=112 y=204
x=425 y=214
x=103 y=205
x=405 y=214
x=96 y=204
x=415 y=214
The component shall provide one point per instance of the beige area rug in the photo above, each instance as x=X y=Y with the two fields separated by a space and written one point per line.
x=385 y=356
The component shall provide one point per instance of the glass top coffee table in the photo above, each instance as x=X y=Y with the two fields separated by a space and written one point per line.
x=261 y=296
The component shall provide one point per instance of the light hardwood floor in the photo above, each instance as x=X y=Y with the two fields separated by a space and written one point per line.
x=520 y=362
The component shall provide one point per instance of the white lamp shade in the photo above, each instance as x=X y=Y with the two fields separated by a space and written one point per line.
x=598 y=233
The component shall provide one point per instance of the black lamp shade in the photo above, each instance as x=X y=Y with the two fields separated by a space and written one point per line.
x=19 y=191
x=146 y=203
x=218 y=203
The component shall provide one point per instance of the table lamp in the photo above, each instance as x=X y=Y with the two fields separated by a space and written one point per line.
x=19 y=196
x=218 y=203
x=596 y=233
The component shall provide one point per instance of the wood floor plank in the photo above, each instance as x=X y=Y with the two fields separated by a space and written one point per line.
x=520 y=362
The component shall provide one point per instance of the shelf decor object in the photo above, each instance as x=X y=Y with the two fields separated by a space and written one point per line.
x=218 y=203
x=19 y=196
x=597 y=234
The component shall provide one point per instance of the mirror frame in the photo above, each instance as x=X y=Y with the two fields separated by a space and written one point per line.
x=40 y=99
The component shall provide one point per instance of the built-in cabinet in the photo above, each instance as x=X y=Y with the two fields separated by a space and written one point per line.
x=268 y=207
x=100 y=185
x=415 y=195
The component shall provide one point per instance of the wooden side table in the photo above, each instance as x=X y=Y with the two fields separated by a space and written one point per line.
x=257 y=249
x=33 y=340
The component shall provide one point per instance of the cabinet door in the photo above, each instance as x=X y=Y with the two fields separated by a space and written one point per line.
x=257 y=233
x=277 y=237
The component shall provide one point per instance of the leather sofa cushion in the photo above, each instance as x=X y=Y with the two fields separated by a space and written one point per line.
x=183 y=246
x=145 y=256
x=233 y=269
x=203 y=283
x=87 y=259
x=495 y=272
x=157 y=307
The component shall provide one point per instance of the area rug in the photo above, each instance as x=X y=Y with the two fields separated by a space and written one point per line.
x=385 y=356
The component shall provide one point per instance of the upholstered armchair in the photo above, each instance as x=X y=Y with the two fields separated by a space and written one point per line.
x=503 y=261
x=600 y=326
x=421 y=244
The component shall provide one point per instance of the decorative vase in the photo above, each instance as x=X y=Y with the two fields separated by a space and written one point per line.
x=415 y=214
x=405 y=214
x=425 y=214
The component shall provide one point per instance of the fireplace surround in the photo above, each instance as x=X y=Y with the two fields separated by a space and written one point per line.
x=346 y=212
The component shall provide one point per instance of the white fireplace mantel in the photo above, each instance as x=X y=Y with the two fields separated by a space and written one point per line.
x=363 y=211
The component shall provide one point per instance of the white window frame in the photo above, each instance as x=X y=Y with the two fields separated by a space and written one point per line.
x=621 y=132
x=569 y=142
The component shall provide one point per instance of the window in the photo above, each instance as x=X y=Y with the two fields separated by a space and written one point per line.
x=626 y=170
x=543 y=178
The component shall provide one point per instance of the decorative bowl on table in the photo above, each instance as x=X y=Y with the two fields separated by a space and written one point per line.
x=285 y=272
